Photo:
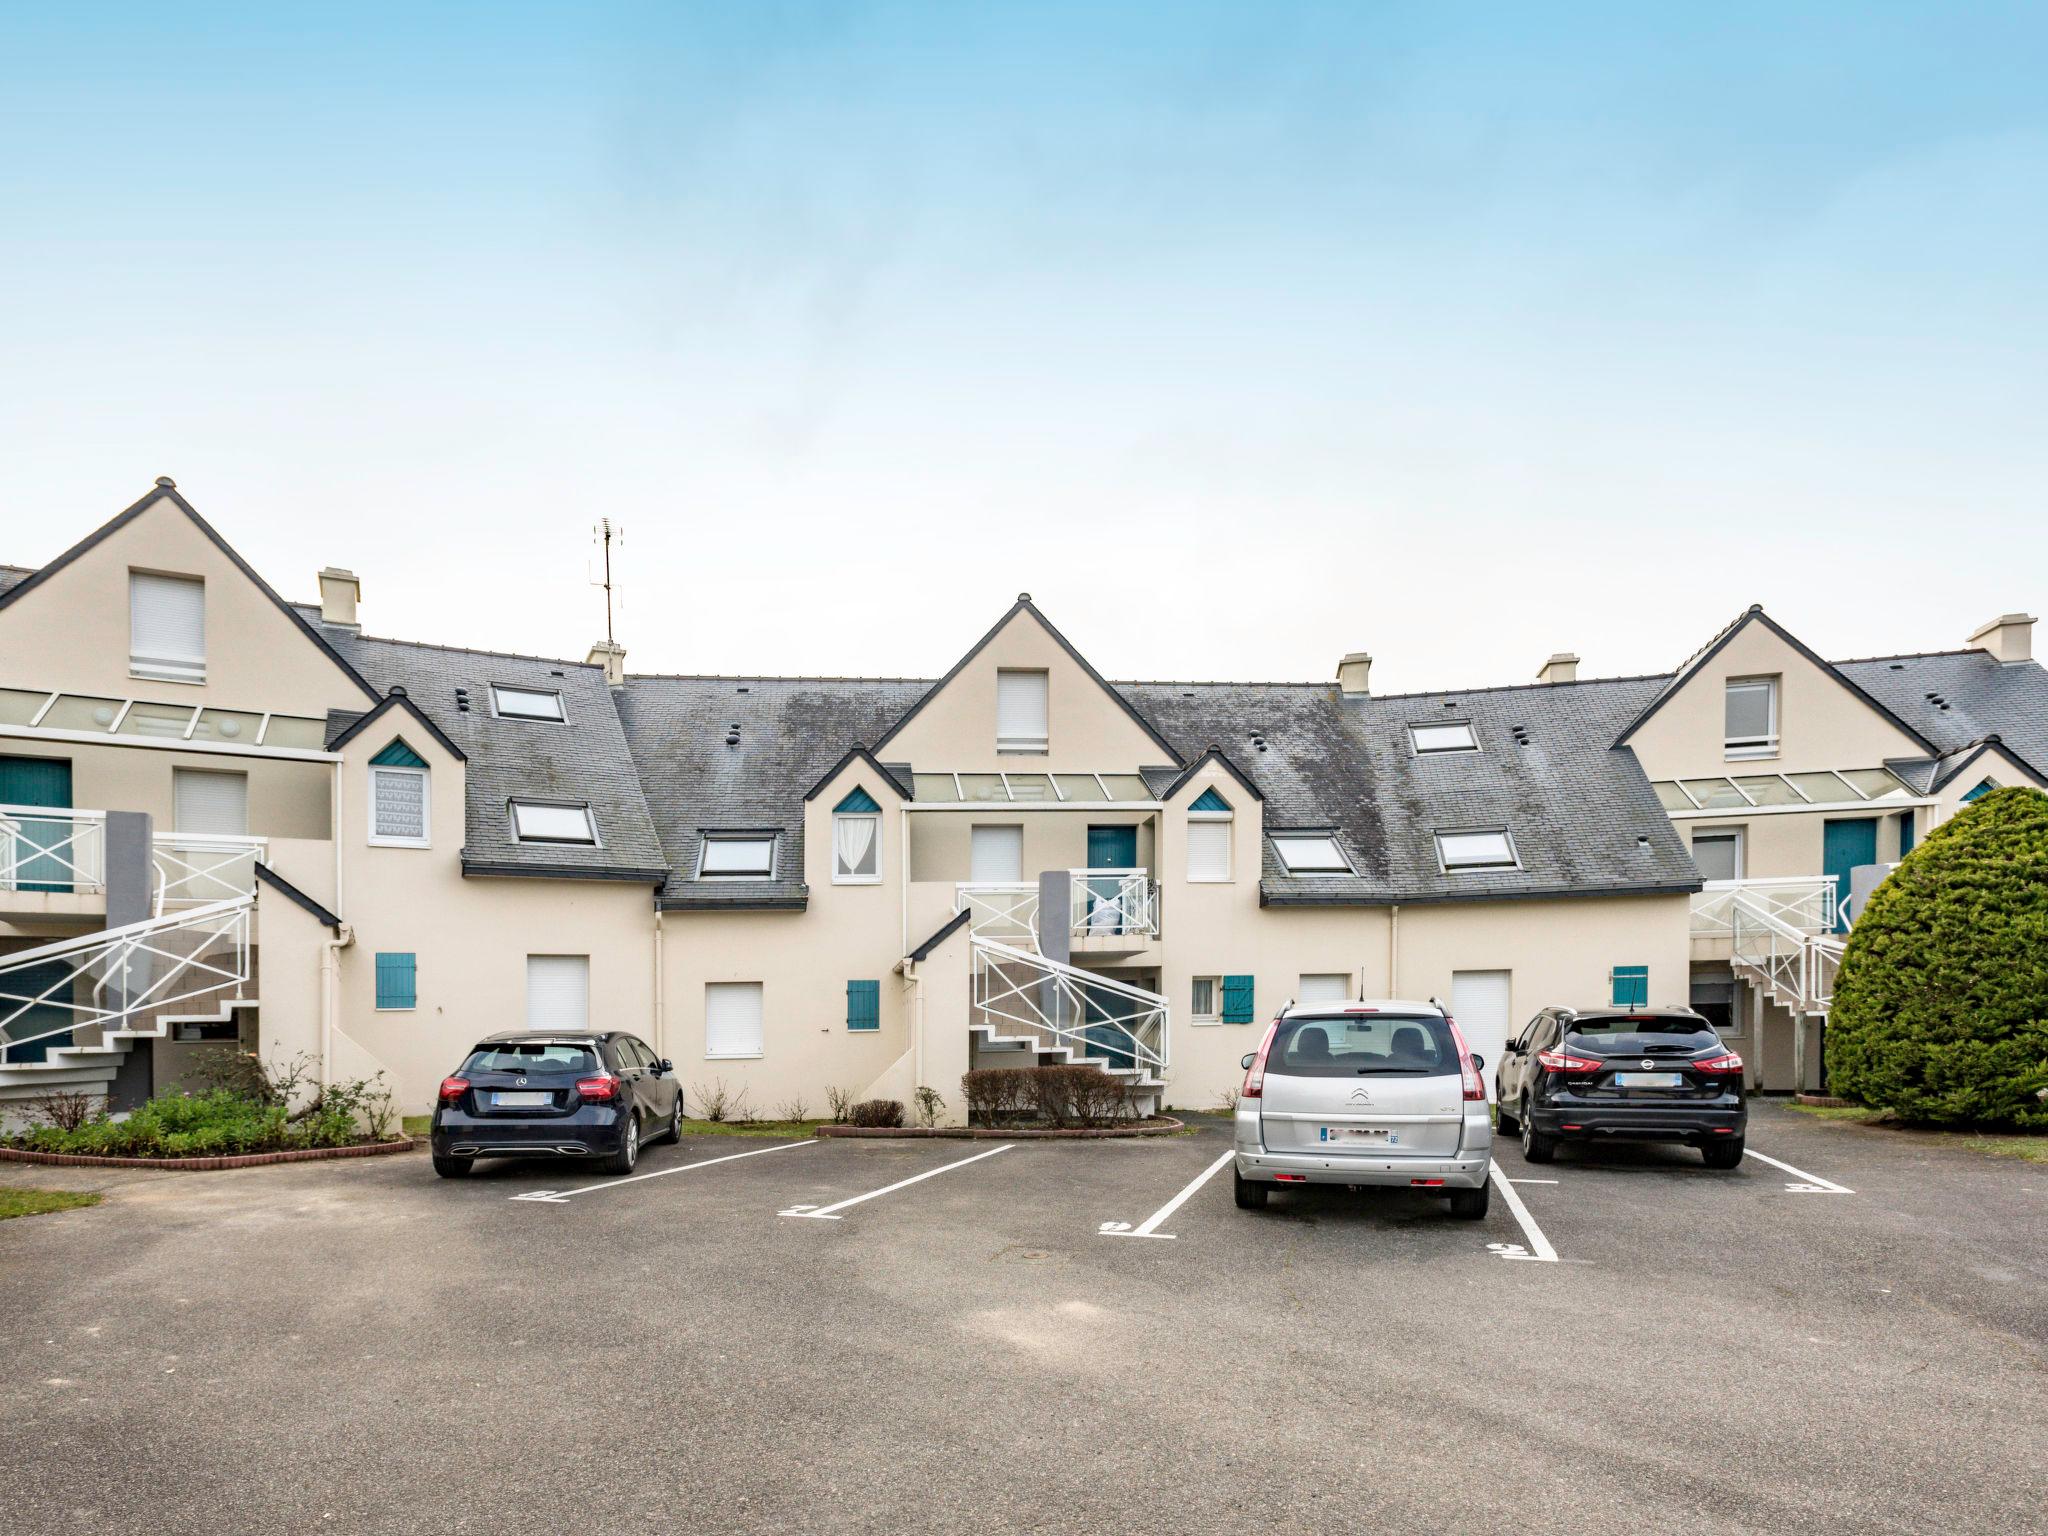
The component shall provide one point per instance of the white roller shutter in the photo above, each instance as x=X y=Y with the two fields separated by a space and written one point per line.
x=732 y=1018
x=167 y=627
x=1209 y=850
x=1329 y=987
x=1479 y=1002
x=558 y=992
x=1020 y=711
x=996 y=856
x=205 y=801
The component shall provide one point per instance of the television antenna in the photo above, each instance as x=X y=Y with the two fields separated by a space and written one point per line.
x=605 y=535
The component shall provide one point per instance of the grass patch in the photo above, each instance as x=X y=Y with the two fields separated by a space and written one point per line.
x=2033 y=1149
x=38 y=1202
x=1857 y=1114
x=416 y=1125
x=752 y=1127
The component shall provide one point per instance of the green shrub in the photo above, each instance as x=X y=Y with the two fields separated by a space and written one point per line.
x=1940 y=1012
x=224 y=1121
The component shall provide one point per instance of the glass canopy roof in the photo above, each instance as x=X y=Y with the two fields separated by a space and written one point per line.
x=1027 y=788
x=1851 y=786
x=130 y=719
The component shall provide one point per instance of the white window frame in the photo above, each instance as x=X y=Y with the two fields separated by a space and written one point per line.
x=708 y=838
x=1739 y=834
x=515 y=806
x=1470 y=744
x=167 y=668
x=1040 y=743
x=1215 y=1013
x=1282 y=839
x=1750 y=748
x=1225 y=819
x=760 y=1017
x=1512 y=862
x=385 y=840
x=499 y=712
x=840 y=877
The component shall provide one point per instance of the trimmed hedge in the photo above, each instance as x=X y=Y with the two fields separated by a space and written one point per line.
x=1940 y=1012
x=1055 y=1096
x=876 y=1114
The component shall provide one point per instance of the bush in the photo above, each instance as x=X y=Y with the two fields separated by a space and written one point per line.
x=221 y=1121
x=1058 y=1096
x=1940 y=1012
x=886 y=1114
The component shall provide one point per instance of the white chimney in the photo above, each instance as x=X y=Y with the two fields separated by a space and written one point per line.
x=340 y=591
x=610 y=655
x=2009 y=637
x=1561 y=668
x=1353 y=672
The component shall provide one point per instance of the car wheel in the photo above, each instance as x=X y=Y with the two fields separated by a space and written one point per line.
x=1536 y=1147
x=675 y=1121
x=628 y=1155
x=452 y=1167
x=1723 y=1154
x=1249 y=1193
x=1470 y=1204
x=1504 y=1121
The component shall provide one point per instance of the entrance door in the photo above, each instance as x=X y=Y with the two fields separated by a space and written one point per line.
x=34 y=781
x=1109 y=848
x=1844 y=845
x=1479 y=1002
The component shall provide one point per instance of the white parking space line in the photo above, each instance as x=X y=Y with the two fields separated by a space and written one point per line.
x=1538 y=1249
x=1809 y=1183
x=557 y=1196
x=827 y=1213
x=1149 y=1227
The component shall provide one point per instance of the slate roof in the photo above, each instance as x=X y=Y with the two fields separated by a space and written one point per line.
x=791 y=731
x=1975 y=695
x=12 y=576
x=1582 y=816
x=584 y=761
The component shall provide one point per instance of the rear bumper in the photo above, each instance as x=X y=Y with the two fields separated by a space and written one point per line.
x=593 y=1131
x=1641 y=1122
x=1465 y=1171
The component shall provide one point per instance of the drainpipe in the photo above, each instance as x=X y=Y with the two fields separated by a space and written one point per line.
x=330 y=997
x=660 y=1012
x=1394 y=950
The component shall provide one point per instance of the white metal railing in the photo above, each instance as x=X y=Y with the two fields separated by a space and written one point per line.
x=1019 y=992
x=109 y=979
x=199 y=868
x=1806 y=902
x=51 y=848
x=1795 y=964
x=1000 y=909
x=1113 y=902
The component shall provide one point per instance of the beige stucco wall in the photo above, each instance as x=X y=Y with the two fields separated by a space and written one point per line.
x=1055 y=837
x=1791 y=843
x=287 y=798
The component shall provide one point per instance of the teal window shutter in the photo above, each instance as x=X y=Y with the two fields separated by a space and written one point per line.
x=863 y=1005
x=1631 y=985
x=1237 y=999
x=399 y=755
x=859 y=803
x=1211 y=801
x=396 y=980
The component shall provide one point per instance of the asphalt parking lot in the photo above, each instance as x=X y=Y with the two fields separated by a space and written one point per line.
x=1053 y=1336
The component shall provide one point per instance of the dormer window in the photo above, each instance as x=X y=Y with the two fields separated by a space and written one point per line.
x=1751 y=717
x=1475 y=850
x=857 y=840
x=526 y=703
x=1313 y=853
x=1210 y=820
x=400 y=805
x=1020 y=711
x=166 y=627
x=1442 y=736
x=748 y=856
x=539 y=821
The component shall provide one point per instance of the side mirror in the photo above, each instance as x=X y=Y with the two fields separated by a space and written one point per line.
x=1478 y=1062
x=664 y=1065
x=1246 y=1063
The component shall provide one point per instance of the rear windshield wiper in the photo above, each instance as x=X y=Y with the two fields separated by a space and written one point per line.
x=1380 y=1071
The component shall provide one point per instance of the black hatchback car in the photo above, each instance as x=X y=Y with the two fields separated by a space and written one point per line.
x=1614 y=1074
x=529 y=1093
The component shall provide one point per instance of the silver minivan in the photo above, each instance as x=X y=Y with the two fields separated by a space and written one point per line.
x=1365 y=1093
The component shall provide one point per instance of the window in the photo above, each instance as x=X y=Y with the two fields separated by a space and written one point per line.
x=1325 y=987
x=1202 y=998
x=209 y=802
x=400 y=812
x=996 y=855
x=1630 y=986
x=1209 y=823
x=863 y=1005
x=1237 y=1000
x=1447 y=736
x=1350 y=1047
x=167 y=627
x=1752 y=717
x=1020 y=711
x=534 y=821
x=1475 y=850
x=737 y=858
x=1718 y=853
x=1317 y=854
x=732 y=1019
x=558 y=992
x=1714 y=998
x=526 y=703
x=395 y=974
x=857 y=840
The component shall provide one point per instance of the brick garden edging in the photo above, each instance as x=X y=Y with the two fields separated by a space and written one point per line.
x=1165 y=1125
x=205 y=1164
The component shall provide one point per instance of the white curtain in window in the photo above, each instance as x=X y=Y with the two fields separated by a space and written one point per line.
x=853 y=846
x=398 y=803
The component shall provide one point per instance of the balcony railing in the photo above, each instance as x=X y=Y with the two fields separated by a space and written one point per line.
x=1804 y=902
x=1005 y=909
x=1114 y=903
x=47 y=848
x=195 y=869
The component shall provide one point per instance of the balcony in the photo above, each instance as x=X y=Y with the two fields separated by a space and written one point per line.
x=53 y=864
x=1805 y=902
x=1112 y=911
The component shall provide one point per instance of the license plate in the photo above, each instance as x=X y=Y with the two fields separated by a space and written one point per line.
x=521 y=1100
x=1372 y=1134
x=1649 y=1079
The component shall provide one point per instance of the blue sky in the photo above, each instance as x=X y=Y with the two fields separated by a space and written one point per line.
x=1241 y=336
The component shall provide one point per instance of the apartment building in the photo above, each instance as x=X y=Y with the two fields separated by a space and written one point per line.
x=230 y=818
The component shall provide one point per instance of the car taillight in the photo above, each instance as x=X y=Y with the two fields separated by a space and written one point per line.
x=1564 y=1061
x=1474 y=1088
x=453 y=1088
x=1727 y=1064
x=1255 y=1075
x=597 y=1088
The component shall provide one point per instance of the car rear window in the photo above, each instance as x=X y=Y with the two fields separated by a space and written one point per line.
x=538 y=1058
x=1639 y=1024
x=1359 y=1045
